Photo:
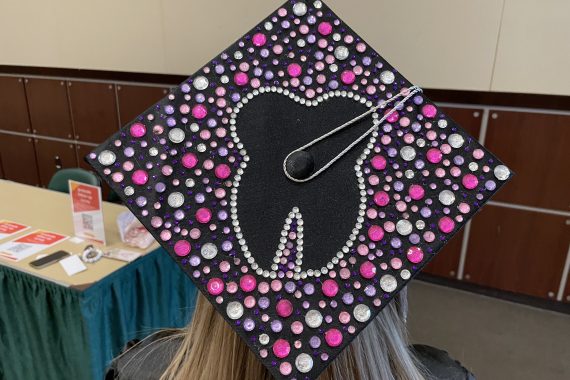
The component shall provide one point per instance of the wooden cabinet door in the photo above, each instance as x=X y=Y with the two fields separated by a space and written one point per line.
x=49 y=108
x=518 y=251
x=52 y=156
x=13 y=105
x=535 y=147
x=134 y=100
x=18 y=159
x=446 y=262
x=94 y=110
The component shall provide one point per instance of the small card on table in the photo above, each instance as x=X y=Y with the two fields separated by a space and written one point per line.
x=9 y=228
x=30 y=244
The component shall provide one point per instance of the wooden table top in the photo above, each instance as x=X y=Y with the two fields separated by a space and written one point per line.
x=49 y=210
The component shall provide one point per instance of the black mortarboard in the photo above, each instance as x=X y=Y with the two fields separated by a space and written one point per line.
x=300 y=181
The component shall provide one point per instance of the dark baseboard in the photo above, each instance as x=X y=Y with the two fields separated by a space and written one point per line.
x=540 y=303
x=503 y=99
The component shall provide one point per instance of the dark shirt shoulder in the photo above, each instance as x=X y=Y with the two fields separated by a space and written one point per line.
x=440 y=365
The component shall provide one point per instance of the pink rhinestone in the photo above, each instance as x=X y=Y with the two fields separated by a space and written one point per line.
x=296 y=327
x=381 y=198
x=156 y=221
x=166 y=170
x=241 y=79
x=378 y=162
x=478 y=154
x=140 y=177
x=138 y=130
x=464 y=208
x=199 y=111
x=224 y=267
x=446 y=224
x=182 y=248
x=263 y=287
x=393 y=117
x=259 y=39
x=333 y=337
x=284 y=308
x=249 y=302
x=325 y=28
x=367 y=270
x=396 y=263
x=330 y=288
x=232 y=287
x=203 y=215
x=348 y=77
x=281 y=348
x=416 y=192
x=189 y=160
x=276 y=285
x=247 y=283
x=184 y=109
x=415 y=254
x=117 y=177
x=434 y=155
x=285 y=368
x=215 y=286
x=294 y=70
x=344 y=317
x=375 y=233
x=429 y=110
x=195 y=233
x=165 y=235
x=222 y=171
x=470 y=181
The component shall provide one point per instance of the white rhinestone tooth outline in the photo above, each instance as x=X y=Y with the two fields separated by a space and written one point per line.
x=299 y=273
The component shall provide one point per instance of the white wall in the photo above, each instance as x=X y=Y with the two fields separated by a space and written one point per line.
x=487 y=45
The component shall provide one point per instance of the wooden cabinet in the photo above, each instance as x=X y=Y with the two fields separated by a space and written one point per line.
x=52 y=156
x=49 y=108
x=13 y=105
x=535 y=147
x=134 y=100
x=446 y=262
x=18 y=159
x=468 y=118
x=94 y=109
x=82 y=151
x=517 y=251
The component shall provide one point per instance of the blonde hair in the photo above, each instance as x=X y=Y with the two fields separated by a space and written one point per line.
x=210 y=349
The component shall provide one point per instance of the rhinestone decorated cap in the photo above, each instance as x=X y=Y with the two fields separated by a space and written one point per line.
x=298 y=269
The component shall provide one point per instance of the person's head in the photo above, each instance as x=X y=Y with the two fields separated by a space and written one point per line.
x=212 y=350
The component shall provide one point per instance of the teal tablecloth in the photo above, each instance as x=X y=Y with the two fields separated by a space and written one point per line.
x=51 y=332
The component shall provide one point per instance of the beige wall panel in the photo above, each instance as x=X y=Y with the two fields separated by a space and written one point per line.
x=534 y=47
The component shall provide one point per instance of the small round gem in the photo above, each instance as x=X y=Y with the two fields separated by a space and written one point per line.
x=381 y=198
x=284 y=308
x=429 y=110
x=304 y=363
x=502 y=172
x=341 y=53
x=387 y=77
x=330 y=288
x=325 y=28
x=446 y=197
x=446 y=224
x=264 y=339
x=137 y=130
x=378 y=162
x=455 y=140
x=281 y=348
x=434 y=155
x=176 y=135
x=367 y=270
x=182 y=248
x=222 y=171
x=139 y=177
x=215 y=286
x=333 y=337
x=361 y=313
x=313 y=318
x=189 y=160
x=405 y=274
x=470 y=181
x=415 y=254
x=209 y=251
x=259 y=39
x=388 y=283
x=200 y=83
x=129 y=190
x=416 y=192
x=294 y=70
x=408 y=153
x=375 y=233
x=404 y=227
x=234 y=310
x=247 y=283
x=300 y=9
x=203 y=215
x=285 y=368
x=175 y=199
x=107 y=158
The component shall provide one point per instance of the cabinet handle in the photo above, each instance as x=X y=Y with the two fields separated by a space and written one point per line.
x=119 y=88
x=57 y=162
x=467 y=276
x=61 y=83
x=550 y=294
x=494 y=115
x=476 y=114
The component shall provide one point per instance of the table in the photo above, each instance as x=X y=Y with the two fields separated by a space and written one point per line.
x=53 y=326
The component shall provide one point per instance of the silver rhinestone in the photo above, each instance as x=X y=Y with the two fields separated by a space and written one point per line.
x=404 y=227
x=362 y=313
x=200 y=83
x=209 y=251
x=153 y=151
x=264 y=339
x=238 y=55
x=304 y=363
x=201 y=148
x=300 y=9
x=190 y=182
x=318 y=4
x=234 y=310
x=409 y=174
x=442 y=123
x=455 y=140
x=405 y=274
x=268 y=26
x=129 y=190
x=408 y=153
x=421 y=143
x=473 y=166
x=420 y=224
x=341 y=53
x=107 y=158
x=333 y=68
x=176 y=135
x=447 y=197
x=388 y=283
x=175 y=199
x=387 y=77
x=502 y=172
x=313 y=318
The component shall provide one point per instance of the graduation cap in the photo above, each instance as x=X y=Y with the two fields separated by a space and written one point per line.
x=301 y=182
